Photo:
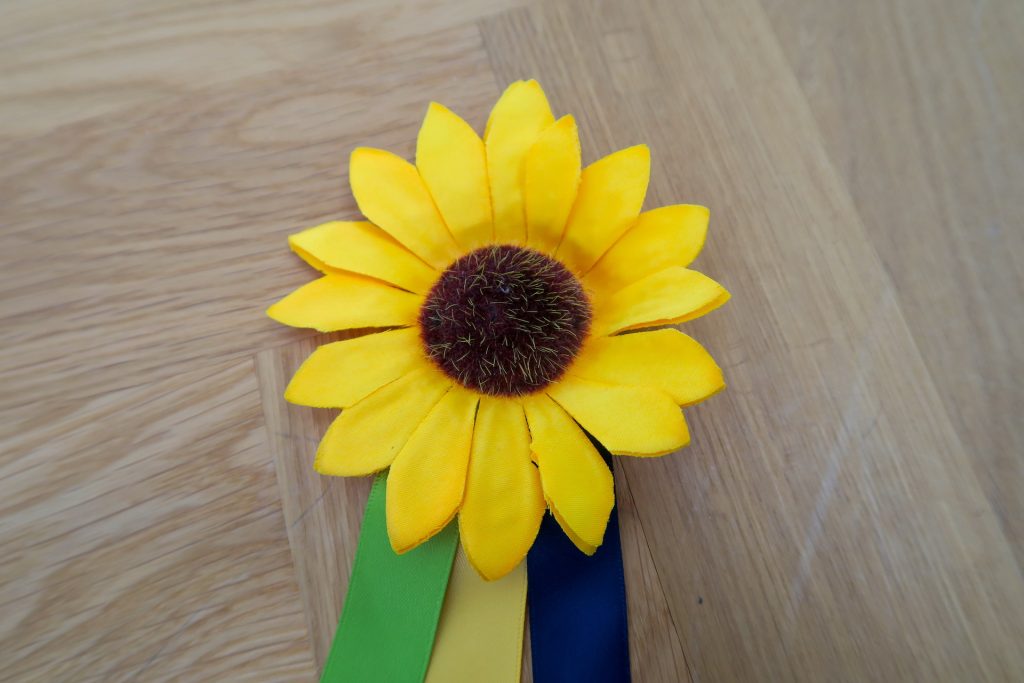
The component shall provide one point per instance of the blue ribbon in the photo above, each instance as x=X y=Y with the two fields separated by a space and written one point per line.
x=577 y=605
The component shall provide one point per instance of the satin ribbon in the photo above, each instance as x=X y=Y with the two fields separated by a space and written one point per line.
x=577 y=605
x=387 y=626
x=480 y=636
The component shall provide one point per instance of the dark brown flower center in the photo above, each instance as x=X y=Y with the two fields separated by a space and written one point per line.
x=505 y=320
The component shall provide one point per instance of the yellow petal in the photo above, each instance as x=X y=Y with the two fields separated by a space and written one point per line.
x=362 y=247
x=577 y=483
x=428 y=476
x=611 y=193
x=391 y=193
x=626 y=420
x=551 y=177
x=451 y=159
x=341 y=374
x=342 y=301
x=503 y=507
x=664 y=359
x=366 y=437
x=667 y=236
x=518 y=118
x=670 y=296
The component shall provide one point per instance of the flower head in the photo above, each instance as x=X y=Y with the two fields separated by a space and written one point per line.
x=499 y=280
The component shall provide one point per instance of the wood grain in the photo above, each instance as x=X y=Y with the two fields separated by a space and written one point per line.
x=827 y=514
x=850 y=507
x=322 y=514
x=933 y=157
x=161 y=225
x=138 y=253
x=143 y=540
x=70 y=61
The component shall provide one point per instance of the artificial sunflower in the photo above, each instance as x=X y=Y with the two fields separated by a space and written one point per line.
x=504 y=278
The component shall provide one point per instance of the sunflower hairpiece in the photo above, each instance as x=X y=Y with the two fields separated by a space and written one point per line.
x=499 y=280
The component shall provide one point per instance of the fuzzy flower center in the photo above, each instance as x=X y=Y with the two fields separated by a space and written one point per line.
x=505 y=320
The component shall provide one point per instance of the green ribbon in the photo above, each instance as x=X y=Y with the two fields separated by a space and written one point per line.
x=387 y=625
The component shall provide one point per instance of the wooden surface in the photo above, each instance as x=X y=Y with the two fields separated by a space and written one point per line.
x=850 y=508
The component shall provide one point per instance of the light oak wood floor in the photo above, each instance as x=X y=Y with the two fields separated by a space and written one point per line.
x=852 y=508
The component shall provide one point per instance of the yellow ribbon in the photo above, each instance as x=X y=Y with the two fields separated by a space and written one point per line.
x=480 y=633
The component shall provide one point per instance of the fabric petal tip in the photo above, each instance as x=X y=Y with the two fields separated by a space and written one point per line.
x=364 y=153
x=330 y=465
x=590 y=547
x=676 y=441
x=714 y=392
x=581 y=545
x=295 y=239
x=357 y=155
x=295 y=243
x=656 y=454
x=402 y=546
x=437 y=107
x=720 y=300
x=327 y=467
x=322 y=467
x=296 y=398
x=276 y=313
x=362 y=150
x=640 y=153
x=567 y=122
x=622 y=160
x=672 y=296
x=493 y=572
x=587 y=546
x=496 y=567
x=402 y=543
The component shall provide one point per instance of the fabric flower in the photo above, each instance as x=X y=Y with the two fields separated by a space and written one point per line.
x=498 y=279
